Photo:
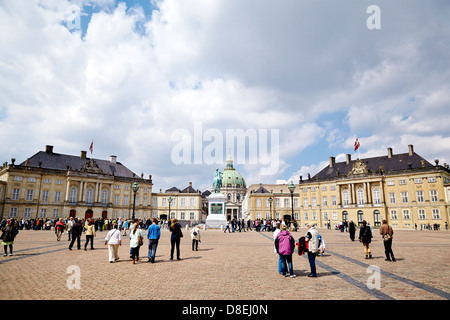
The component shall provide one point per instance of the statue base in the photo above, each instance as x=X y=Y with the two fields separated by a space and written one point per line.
x=216 y=211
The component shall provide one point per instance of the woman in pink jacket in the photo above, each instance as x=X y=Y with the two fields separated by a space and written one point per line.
x=285 y=244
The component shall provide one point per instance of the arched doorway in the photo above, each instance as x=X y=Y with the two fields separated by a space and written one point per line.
x=344 y=216
x=376 y=218
x=163 y=217
x=72 y=213
x=89 y=214
x=105 y=215
x=360 y=217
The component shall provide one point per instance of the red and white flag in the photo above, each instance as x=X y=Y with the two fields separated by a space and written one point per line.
x=357 y=144
x=91 y=148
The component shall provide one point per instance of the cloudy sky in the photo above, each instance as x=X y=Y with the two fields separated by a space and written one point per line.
x=171 y=87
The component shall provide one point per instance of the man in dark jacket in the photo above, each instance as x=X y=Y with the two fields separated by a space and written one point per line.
x=352 y=230
x=77 y=229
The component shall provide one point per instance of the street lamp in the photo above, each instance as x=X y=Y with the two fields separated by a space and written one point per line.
x=170 y=201
x=291 y=189
x=135 y=189
x=270 y=203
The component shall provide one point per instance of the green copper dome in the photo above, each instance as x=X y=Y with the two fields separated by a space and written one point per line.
x=230 y=177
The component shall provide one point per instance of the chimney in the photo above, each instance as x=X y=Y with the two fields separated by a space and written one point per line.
x=48 y=149
x=332 y=161
x=389 y=153
x=190 y=184
x=113 y=159
x=83 y=155
x=411 y=149
x=349 y=158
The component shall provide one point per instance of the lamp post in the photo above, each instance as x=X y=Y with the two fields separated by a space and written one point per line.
x=170 y=201
x=135 y=188
x=291 y=189
x=270 y=203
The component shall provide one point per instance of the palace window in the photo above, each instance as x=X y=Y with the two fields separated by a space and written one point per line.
x=433 y=195
x=57 y=196
x=27 y=213
x=406 y=215
x=15 y=194
x=391 y=197
x=360 y=197
x=394 y=215
x=436 y=214
x=420 y=196
x=104 y=197
x=405 y=196
x=29 y=195
x=345 y=199
x=376 y=196
x=13 y=213
x=45 y=195
x=89 y=196
x=73 y=195
x=422 y=214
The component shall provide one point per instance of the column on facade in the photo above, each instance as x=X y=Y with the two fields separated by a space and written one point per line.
x=339 y=201
x=381 y=192
x=350 y=194
x=66 y=198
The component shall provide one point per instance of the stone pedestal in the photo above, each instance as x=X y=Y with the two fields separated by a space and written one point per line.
x=216 y=211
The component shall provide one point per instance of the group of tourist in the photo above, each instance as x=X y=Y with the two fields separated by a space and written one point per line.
x=114 y=239
x=259 y=225
x=314 y=245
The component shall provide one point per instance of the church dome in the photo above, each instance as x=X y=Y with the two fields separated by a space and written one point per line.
x=230 y=177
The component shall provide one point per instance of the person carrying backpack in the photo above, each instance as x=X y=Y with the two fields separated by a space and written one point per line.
x=365 y=236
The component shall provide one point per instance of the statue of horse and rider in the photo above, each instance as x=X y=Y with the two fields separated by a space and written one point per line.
x=217 y=183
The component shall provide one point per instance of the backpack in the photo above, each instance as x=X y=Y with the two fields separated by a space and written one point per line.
x=302 y=246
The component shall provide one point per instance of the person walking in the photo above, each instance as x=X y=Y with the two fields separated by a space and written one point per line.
x=136 y=238
x=280 y=257
x=285 y=244
x=321 y=246
x=227 y=227
x=9 y=233
x=113 y=239
x=59 y=229
x=69 y=228
x=195 y=237
x=90 y=234
x=77 y=230
x=365 y=236
x=387 y=233
x=175 y=238
x=153 y=235
x=352 y=230
x=312 y=238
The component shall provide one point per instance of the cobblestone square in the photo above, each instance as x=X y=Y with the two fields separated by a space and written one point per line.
x=228 y=266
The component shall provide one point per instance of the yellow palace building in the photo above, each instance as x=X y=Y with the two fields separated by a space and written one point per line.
x=405 y=189
x=53 y=185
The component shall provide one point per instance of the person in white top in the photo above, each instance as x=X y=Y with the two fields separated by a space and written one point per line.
x=312 y=237
x=113 y=239
x=275 y=234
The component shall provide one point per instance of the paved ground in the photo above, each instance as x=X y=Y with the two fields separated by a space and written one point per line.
x=237 y=266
